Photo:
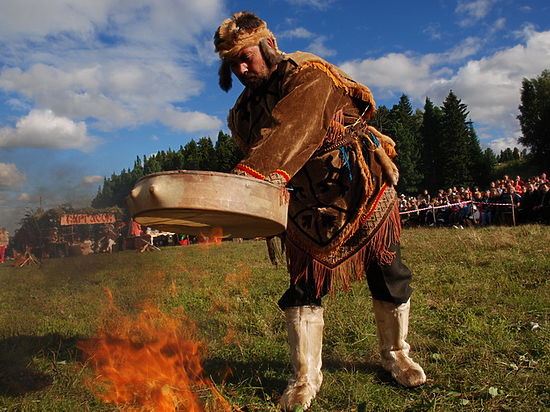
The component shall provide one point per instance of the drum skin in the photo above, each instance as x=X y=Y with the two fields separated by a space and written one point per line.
x=198 y=202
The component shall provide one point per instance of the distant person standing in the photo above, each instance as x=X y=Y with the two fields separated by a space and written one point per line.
x=542 y=208
x=4 y=240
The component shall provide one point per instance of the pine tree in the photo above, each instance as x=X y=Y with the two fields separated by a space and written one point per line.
x=430 y=134
x=137 y=171
x=480 y=169
x=456 y=138
x=506 y=155
x=152 y=164
x=227 y=152
x=490 y=157
x=191 y=156
x=381 y=120
x=173 y=161
x=207 y=154
x=404 y=128
x=535 y=117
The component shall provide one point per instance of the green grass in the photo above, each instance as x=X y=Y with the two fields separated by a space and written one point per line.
x=479 y=324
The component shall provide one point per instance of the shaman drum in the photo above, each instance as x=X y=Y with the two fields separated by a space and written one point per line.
x=195 y=202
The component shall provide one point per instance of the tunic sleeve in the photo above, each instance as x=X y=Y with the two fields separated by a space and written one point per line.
x=298 y=125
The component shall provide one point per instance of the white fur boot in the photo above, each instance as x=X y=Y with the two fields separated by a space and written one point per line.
x=392 y=322
x=305 y=335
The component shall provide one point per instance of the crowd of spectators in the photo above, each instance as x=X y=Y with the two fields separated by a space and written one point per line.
x=507 y=201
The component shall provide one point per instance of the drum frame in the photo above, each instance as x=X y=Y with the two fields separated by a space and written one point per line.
x=198 y=202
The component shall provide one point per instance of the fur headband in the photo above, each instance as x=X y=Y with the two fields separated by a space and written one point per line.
x=237 y=32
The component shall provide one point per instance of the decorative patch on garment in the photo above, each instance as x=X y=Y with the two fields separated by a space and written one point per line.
x=323 y=201
x=327 y=197
x=371 y=219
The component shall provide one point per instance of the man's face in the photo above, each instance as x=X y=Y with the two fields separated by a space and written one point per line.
x=250 y=67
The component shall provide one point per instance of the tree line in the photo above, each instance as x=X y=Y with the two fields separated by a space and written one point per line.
x=195 y=155
x=437 y=147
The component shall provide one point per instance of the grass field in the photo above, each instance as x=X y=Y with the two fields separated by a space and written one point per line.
x=479 y=324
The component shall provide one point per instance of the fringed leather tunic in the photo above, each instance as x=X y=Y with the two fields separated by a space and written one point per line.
x=306 y=129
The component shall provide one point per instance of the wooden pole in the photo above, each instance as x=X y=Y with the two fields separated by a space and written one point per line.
x=513 y=210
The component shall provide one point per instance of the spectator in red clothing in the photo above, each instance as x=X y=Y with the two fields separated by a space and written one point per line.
x=4 y=240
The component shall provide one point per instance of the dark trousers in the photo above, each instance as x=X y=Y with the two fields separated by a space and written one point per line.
x=390 y=283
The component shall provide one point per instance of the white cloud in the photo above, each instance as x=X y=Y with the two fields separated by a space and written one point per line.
x=205 y=52
x=42 y=128
x=473 y=11
x=498 y=25
x=433 y=31
x=90 y=180
x=489 y=86
x=468 y=47
x=497 y=145
x=25 y=197
x=38 y=18
x=10 y=176
x=298 y=32
x=319 y=4
x=117 y=93
x=112 y=62
x=394 y=73
x=140 y=21
x=189 y=121
x=318 y=47
x=317 y=44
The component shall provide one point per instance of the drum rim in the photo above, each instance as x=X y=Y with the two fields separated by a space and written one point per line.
x=207 y=173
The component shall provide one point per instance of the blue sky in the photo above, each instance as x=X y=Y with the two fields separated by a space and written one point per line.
x=86 y=86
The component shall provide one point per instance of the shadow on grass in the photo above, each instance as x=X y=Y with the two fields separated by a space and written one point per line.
x=249 y=374
x=18 y=371
x=270 y=377
x=362 y=366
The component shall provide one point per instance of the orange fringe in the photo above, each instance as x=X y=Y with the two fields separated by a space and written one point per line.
x=375 y=250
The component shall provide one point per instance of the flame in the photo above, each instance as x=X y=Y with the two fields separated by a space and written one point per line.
x=173 y=288
x=213 y=238
x=150 y=363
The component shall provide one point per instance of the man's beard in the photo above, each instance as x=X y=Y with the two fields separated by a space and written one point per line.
x=257 y=78
x=255 y=81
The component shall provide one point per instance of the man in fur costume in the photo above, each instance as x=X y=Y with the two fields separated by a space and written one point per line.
x=302 y=123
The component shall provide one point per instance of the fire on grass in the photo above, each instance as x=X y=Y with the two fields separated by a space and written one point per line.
x=151 y=362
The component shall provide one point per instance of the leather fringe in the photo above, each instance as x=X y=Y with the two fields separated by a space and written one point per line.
x=336 y=129
x=329 y=279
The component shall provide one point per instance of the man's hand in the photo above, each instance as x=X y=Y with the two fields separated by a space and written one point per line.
x=384 y=154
